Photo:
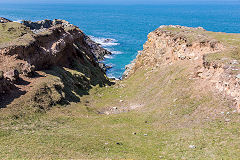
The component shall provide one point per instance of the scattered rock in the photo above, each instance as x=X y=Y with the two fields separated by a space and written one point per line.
x=192 y=146
x=5 y=84
x=12 y=75
x=26 y=69
x=175 y=99
x=121 y=101
x=145 y=135
x=227 y=120
x=134 y=133
x=238 y=76
x=119 y=143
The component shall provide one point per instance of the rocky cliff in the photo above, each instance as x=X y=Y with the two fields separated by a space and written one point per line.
x=214 y=56
x=30 y=47
x=178 y=100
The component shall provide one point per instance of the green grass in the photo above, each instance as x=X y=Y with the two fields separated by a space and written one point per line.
x=173 y=112
x=12 y=30
x=171 y=117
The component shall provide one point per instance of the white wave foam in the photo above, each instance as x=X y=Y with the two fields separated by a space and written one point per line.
x=111 y=64
x=105 y=42
x=116 y=52
x=18 y=21
x=108 y=44
x=108 y=57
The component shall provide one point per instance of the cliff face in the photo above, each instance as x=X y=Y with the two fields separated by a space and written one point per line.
x=36 y=46
x=169 y=44
x=50 y=43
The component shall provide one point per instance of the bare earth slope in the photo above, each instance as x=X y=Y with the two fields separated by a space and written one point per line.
x=179 y=100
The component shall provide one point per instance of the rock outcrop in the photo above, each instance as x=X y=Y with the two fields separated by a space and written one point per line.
x=38 y=46
x=52 y=39
x=169 y=44
x=44 y=25
x=5 y=85
x=223 y=77
x=4 y=20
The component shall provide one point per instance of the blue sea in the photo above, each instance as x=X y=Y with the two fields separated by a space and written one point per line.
x=129 y=25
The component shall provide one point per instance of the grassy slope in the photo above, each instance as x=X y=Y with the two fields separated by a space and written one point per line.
x=12 y=30
x=175 y=114
x=173 y=111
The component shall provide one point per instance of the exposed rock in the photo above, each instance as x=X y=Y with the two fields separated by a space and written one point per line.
x=227 y=120
x=238 y=76
x=192 y=146
x=119 y=143
x=48 y=48
x=43 y=26
x=5 y=85
x=58 y=48
x=128 y=69
x=40 y=25
x=104 y=66
x=4 y=20
x=172 y=43
x=28 y=70
x=97 y=49
x=12 y=75
x=169 y=44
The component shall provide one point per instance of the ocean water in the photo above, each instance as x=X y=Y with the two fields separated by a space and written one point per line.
x=127 y=26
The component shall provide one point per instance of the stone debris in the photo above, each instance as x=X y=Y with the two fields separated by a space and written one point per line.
x=12 y=75
x=192 y=146
x=238 y=76
x=119 y=143
x=227 y=120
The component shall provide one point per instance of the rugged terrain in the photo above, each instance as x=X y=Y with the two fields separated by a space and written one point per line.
x=47 y=63
x=179 y=100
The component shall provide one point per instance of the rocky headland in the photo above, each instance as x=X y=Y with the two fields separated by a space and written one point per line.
x=28 y=48
x=179 y=99
x=215 y=62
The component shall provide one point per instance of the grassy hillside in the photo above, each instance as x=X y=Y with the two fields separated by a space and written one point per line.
x=157 y=113
x=165 y=115
x=12 y=30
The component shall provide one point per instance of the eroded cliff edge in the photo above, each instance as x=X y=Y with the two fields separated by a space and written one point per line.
x=47 y=63
x=214 y=57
